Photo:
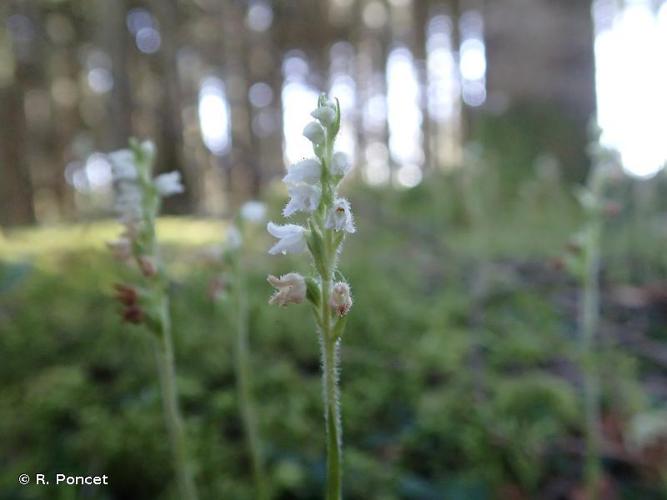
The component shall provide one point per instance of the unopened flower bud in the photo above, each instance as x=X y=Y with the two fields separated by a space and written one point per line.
x=314 y=133
x=126 y=294
x=325 y=114
x=341 y=298
x=133 y=315
x=612 y=209
x=340 y=164
x=217 y=288
x=290 y=289
x=147 y=265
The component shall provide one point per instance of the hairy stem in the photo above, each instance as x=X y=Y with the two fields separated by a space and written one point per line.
x=165 y=363
x=331 y=400
x=246 y=401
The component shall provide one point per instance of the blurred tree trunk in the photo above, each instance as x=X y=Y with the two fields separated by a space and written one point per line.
x=114 y=40
x=542 y=69
x=420 y=25
x=171 y=153
x=67 y=123
x=265 y=66
x=16 y=188
x=245 y=174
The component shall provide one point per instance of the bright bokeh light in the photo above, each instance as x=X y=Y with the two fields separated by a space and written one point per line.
x=260 y=16
x=403 y=109
x=100 y=80
x=443 y=87
x=98 y=171
x=409 y=176
x=214 y=115
x=148 y=40
x=472 y=61
x=631 y=78
x=260 y=94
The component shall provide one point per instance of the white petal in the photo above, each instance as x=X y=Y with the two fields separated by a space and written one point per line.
x=291 y=238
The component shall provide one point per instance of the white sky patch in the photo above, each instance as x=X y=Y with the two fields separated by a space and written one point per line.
x=299 y=99
x=631 y=78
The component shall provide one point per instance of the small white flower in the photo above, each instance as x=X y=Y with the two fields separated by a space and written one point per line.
x=148 y=148
x=253 y=211
x=122 y=165
x=233 y=238
x=341 y=298
x=169 y=183
x=308 y=171
x=303 y=198
x=290 y=289
x=291 y=237
x=128 y=201
x=314 y=133
x=325 y=114
x=340 y=216
x=340 y=164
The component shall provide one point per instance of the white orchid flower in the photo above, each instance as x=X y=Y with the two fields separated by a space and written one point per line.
x=303 y=198
x=122 y=165
x=169 y=183
x=290 y=289
x=308 y=171
x=340 y=217
x=292 y=238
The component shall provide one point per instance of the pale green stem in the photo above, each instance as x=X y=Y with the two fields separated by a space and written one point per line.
x=244 y=387
x=331 y=400
x=165 y=363
x=591 y=385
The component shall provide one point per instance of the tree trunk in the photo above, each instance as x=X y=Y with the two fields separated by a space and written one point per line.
x=17 y=190
x=171 y=154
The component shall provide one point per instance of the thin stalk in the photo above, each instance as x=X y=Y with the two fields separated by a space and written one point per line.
x=331 y=399
x=591 y=385
x=244 y=387
x=165 y=362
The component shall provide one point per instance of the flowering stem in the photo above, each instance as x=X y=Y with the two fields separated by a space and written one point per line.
x=589 y=323
x=244 y=386
x=312 y=185
x=165 y=363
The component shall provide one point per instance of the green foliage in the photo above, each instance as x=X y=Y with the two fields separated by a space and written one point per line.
x=458 y=379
